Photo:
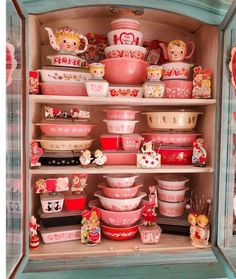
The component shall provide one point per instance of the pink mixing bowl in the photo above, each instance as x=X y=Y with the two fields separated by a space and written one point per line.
x=171 y=195
x=119 y=233
x=125 y=70
x=171 y=209
x=171 y=181
x=120 y=180
x=119 y=193
x=120 y=114
x=116 y=218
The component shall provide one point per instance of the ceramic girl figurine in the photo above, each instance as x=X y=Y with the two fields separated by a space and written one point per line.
x=35 y=153
x=149 y=157
x=192 y=220
x=201 y=83
x=67 y=40
x=100 y=158
x=177 y=50
x=79 y=183
x=34 y=239
x=97 y=70
x=199 y=153
x=154 y=73
x=153 y=196
x=85 y=158
x=202 y=232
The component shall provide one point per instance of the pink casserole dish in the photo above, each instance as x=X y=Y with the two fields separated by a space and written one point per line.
x=171 y=195
x=177 y=138
x=179 y=89
x=171 y=209
x=120 y=113
x=116 y=218
x=171 y=181
x=125 y=70
x=176 y=155
x=120 y=126
x=63 y=89
x=131 y=142
x=121 y=158
x=66 y=128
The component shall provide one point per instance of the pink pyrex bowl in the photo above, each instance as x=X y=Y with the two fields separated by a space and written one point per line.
x=119 y=234
x=131 y=142
x=120 y=126
x=171 y=195
x=127 y=23
x=125 y=70
x=63 y=89
x=171 y=181
x=120 y=180
x=125 y=37
x=125 y=51
x=179 y=89
x=119 y=204
x=120 y=114
x=116 y=218
x=176 y=70
x=65 y=129
x=176 y=138
x=171 y=209
x=119 y=193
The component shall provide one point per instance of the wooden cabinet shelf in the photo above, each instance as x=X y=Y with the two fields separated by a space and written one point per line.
x=120 y=169
x=84 y=100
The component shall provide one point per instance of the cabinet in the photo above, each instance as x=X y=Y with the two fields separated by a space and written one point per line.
x=155 y=24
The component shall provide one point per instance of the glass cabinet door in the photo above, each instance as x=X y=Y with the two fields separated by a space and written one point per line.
x=227 y=168
x=14 y=141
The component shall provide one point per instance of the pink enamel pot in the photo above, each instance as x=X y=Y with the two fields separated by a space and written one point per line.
x=119 y=193
x=171 y=195
x=116 y=218
x=125 y=70
x=120 y=114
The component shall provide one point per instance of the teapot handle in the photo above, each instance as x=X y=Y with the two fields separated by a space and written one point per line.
x=192 y=48
x=85 y=45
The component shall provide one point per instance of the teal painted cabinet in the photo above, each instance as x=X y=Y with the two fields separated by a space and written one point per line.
x=212 y=29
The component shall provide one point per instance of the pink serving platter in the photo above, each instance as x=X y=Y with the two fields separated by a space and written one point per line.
x=65 y=128
x=63 y=89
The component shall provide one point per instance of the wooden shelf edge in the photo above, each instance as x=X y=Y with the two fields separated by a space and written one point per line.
x=84 y=100
x=120 y=169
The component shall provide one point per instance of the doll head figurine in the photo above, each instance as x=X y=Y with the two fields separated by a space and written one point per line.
x=67 y=40
x=97 y=70
x=154 y=73
x=177 y=50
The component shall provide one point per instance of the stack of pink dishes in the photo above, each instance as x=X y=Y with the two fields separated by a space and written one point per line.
x=120 y=123
x=120 y=203
x=125 y=62
x=173 y=135
x=171 y=194
x=63 y=81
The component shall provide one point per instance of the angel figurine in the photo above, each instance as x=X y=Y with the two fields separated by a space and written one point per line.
x=35 y=153
x=34 y=239
x=85 y=158
x=100 y=158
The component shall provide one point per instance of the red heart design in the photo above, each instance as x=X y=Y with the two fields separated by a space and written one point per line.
x=126 y=38
x=94 y=236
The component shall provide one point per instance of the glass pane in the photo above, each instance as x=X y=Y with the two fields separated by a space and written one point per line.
x=14 y=204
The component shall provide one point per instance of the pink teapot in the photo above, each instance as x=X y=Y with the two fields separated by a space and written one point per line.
x=177 y=50
x=66 y=40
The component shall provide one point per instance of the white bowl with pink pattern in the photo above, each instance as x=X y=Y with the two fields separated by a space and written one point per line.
x=120 y=126
x=120 y=180
x=171 y=209
x=125 y=37
x=171 y=195
x=120 y=113
x=120 y=204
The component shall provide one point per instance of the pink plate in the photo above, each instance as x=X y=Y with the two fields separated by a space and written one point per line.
x=119 y=233
x=182 y=139
x=63 y=89
x=125 y=70
x=118 y=219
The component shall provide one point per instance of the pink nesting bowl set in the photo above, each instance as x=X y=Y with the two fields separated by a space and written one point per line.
x=125 y=56
x=171 y=194
x=121 y=206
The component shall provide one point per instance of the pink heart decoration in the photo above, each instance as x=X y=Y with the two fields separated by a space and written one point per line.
x=126 y=38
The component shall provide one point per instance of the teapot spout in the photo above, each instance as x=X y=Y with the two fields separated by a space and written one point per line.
x=164 y=49
x=52 y=38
